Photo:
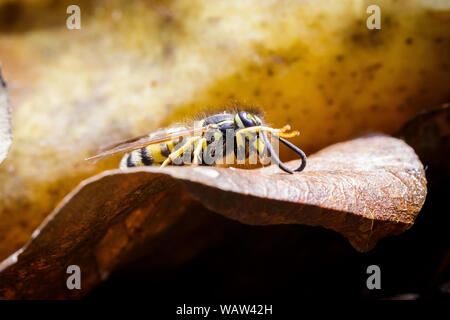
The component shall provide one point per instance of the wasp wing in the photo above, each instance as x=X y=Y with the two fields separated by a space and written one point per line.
x=143 y=141
x=123 y=142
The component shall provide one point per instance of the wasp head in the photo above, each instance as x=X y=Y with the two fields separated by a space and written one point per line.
x=245 y=119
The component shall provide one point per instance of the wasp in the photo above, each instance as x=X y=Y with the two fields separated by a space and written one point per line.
x=209 y=139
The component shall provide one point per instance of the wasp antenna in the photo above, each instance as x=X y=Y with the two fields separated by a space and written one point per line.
x=290 y=146
x=296 y=149
x=274 y=155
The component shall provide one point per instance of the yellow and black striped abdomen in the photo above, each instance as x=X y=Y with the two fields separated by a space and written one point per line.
x=153 y=154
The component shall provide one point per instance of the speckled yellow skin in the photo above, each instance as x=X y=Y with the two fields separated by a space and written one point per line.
x=134 y=67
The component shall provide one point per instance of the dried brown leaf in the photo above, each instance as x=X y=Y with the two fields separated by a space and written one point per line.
x=5 y=120
x=366 y=189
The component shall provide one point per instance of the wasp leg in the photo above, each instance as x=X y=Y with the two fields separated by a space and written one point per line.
x=201 y=144
x=288 y=134
x=279 y=132
x=180 y=151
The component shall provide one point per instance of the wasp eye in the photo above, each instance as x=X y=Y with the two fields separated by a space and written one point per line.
x=245 y=120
